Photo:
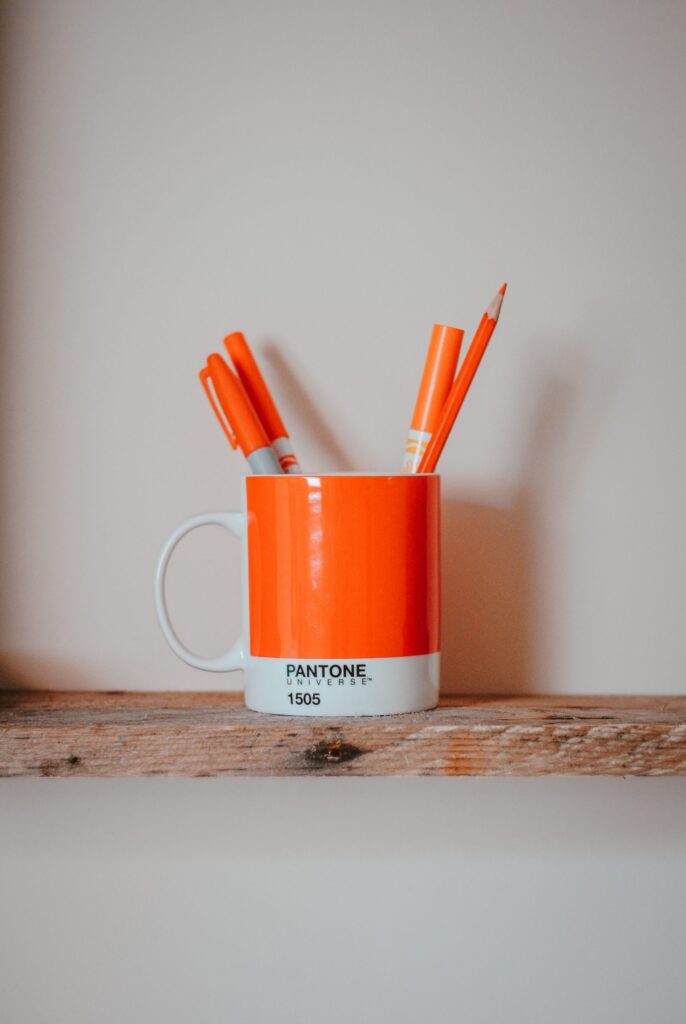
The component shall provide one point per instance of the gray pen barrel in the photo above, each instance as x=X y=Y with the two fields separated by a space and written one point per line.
x=263 y=460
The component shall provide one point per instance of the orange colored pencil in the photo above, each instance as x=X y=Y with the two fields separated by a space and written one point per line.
x=462 y=383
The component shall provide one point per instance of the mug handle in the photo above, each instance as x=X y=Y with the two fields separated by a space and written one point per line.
x=234 y=658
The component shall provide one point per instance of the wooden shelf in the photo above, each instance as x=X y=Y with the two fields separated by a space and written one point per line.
x=201 y=734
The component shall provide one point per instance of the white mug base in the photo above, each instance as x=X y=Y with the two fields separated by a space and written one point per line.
x=342 y=687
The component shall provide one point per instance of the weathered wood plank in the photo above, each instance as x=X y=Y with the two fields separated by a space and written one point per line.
x=205 y=734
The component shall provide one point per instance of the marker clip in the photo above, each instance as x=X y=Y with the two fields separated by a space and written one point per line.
x=205 y=379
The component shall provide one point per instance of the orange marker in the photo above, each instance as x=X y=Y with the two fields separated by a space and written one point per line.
x=439 y=372
x=236 y=415
x=458 y=391
x=262 y=401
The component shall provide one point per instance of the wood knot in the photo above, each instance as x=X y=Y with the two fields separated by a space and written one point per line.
x=331 y=752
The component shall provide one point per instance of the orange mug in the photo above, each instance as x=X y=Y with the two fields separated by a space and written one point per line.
x=341 y=593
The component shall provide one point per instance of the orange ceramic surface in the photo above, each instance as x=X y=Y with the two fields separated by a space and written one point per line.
x=343 y=566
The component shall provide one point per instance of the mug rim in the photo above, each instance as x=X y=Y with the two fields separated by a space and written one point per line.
x=342 y=474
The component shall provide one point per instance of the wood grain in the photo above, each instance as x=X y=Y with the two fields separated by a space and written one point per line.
x=207 y=734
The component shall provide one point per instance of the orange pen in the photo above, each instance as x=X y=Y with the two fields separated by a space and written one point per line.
x=461 y=385
x=439 y=372
x=262 y=401
x=236 y=415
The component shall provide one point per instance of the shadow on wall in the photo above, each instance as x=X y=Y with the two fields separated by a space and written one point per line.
x=488 y=634
x=495 y=626
x=492 y=608
x=312 y=423
x=21 y=671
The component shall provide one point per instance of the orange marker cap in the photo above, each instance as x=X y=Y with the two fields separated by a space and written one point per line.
x=232 y=406
x=438 y=376
x=254 y=384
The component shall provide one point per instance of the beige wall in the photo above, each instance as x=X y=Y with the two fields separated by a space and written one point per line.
x=332 y=178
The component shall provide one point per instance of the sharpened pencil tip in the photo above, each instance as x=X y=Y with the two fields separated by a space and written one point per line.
x=503 y=289
x=493 y=311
